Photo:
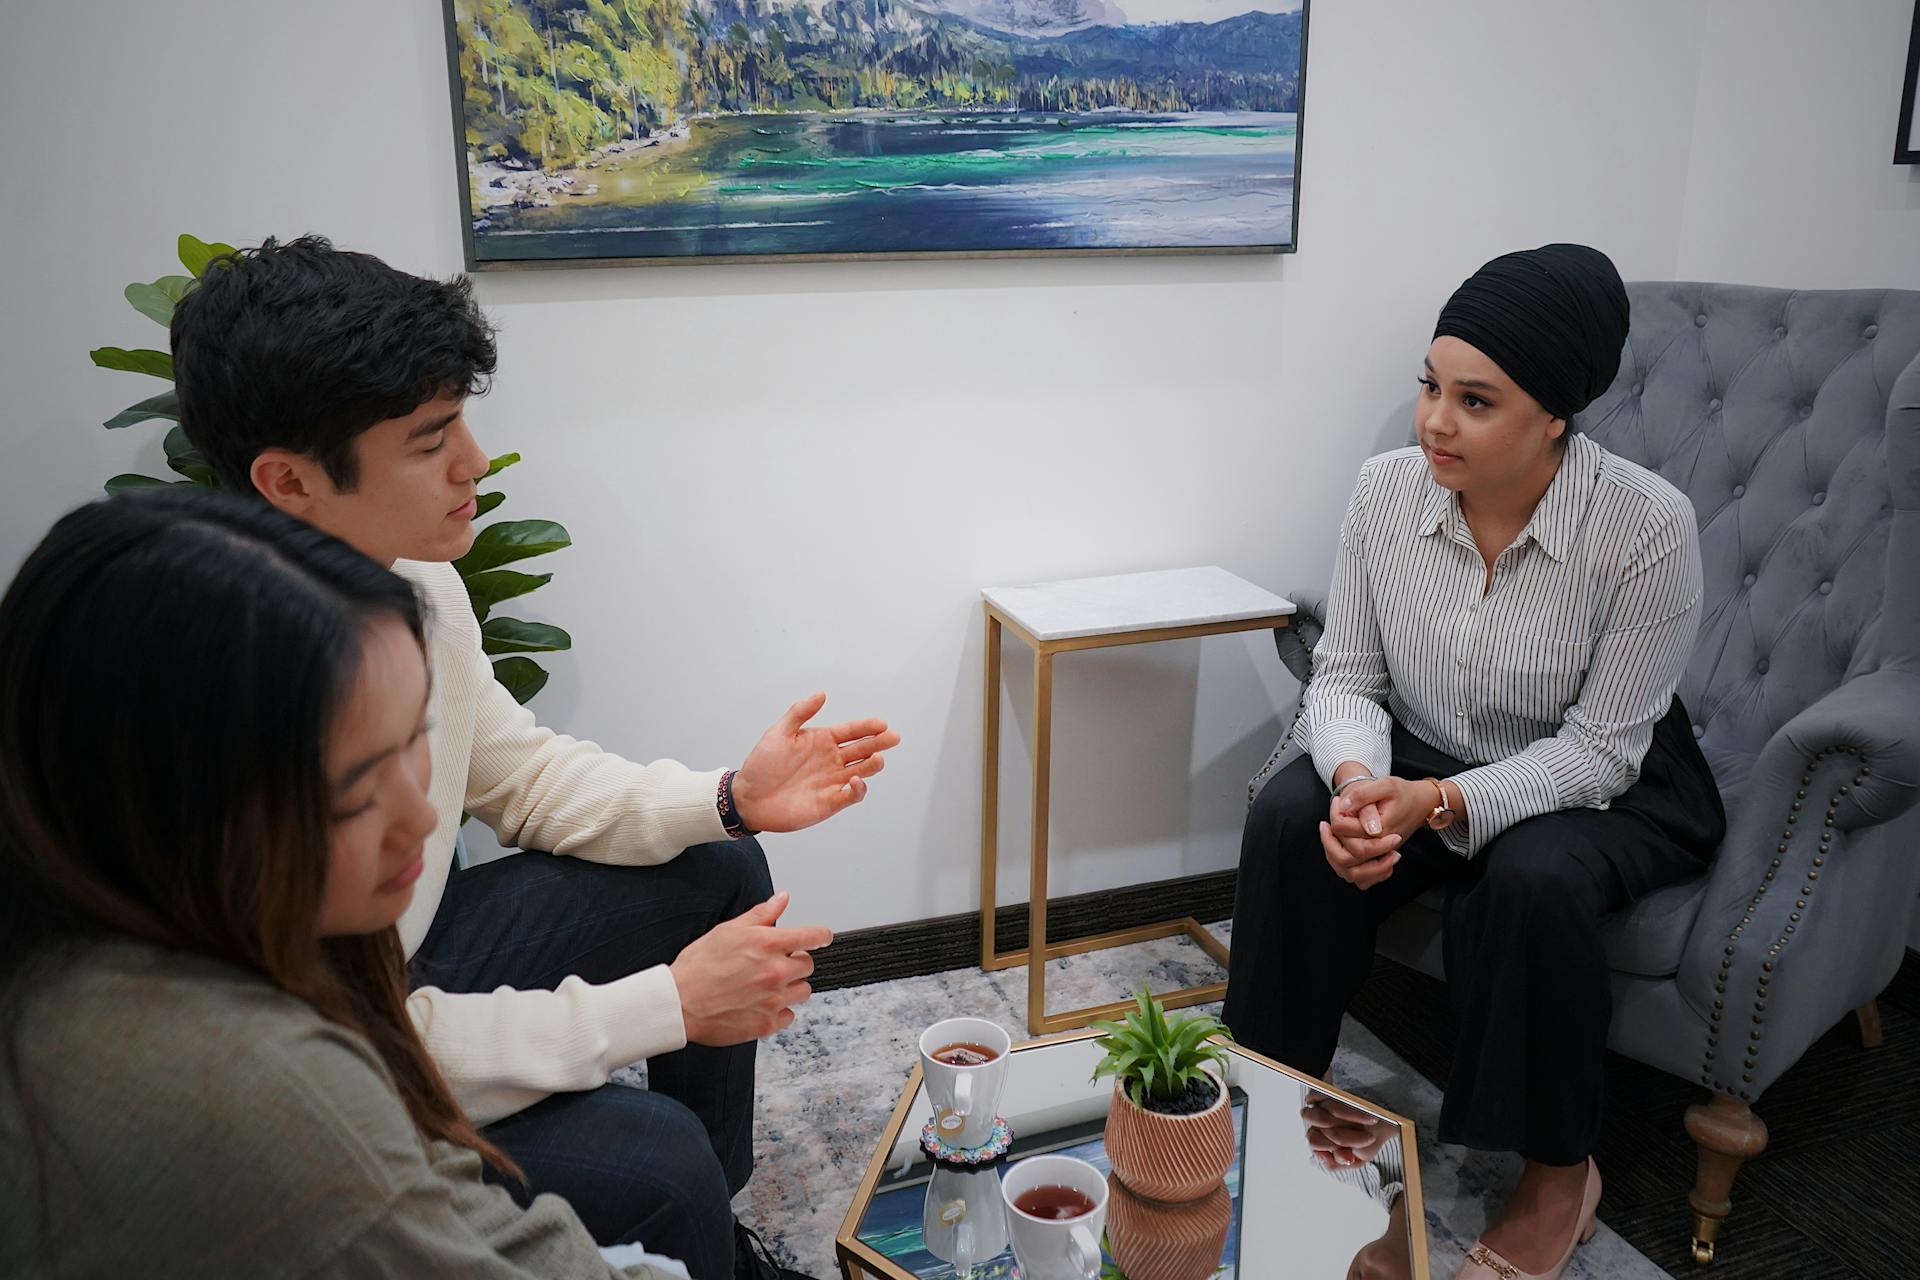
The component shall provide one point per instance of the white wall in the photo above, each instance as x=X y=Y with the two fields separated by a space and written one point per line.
x=1792 y=181
x=783 y=477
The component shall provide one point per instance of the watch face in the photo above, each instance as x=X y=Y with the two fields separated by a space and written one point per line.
x=1440 y=819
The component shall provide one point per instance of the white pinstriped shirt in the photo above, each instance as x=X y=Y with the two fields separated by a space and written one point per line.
x=1550 y=683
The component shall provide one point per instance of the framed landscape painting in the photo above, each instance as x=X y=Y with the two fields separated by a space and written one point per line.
x=673 y=130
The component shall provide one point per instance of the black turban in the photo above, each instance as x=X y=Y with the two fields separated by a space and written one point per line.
x=1554 y=319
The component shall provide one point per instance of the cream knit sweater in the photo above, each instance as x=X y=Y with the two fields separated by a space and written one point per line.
x=504 y=1050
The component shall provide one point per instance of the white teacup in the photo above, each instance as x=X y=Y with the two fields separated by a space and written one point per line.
x=964 y=1220
x=964 y=1098
x=1056 y=1248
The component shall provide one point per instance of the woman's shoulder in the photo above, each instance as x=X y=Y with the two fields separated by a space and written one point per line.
x=1659 y=501
x=208 y=1098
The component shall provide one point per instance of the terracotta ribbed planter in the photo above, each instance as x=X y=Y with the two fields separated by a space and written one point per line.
x=1171 y=1158
x=1154 y=1240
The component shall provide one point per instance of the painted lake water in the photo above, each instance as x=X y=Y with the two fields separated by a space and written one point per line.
x=881 y=182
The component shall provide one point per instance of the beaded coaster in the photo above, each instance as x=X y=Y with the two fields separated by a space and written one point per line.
x=978 y=1157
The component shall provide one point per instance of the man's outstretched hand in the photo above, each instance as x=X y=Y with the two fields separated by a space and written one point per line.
x=797 y=775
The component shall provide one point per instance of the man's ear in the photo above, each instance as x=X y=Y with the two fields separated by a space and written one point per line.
x=290 y=481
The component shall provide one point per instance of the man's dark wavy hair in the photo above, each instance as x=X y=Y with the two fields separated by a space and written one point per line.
x=303 y=346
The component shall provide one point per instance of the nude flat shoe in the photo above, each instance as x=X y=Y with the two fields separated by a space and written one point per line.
x=1484 y=1264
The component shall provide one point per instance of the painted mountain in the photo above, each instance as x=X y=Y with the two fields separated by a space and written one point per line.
x=668 y=129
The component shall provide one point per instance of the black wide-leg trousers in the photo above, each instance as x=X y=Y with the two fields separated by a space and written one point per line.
x=1526 y=970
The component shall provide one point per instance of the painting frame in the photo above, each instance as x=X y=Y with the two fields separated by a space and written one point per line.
x=1906 y=142
x=475 y=263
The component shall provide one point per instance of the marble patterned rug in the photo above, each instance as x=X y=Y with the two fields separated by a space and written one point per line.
x=829 y=1082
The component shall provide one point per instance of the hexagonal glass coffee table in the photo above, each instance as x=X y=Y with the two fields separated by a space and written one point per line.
x=1283 y=1211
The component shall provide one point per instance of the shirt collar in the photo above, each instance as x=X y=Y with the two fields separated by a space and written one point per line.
x=1555 y=523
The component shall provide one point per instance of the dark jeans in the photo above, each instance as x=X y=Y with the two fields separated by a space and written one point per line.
x=1526 y=970
x=658 y=1165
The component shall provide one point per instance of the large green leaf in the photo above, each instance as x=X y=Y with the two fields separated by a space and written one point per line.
x=522 y=677
x=123 y=483
x=195 y=253
x=499 y=464
x=509 y=541
x=186 y=460
x=488 y=589
x=158 y=364
x=164 y=405
x=512 y=635
x=486 y=502
x=155 y=301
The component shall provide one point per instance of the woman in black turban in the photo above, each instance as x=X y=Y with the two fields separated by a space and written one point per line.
x=1491 y=713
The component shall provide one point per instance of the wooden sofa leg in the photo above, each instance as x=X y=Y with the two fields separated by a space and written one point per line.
x=1728 y=1135
x=1868 y=1018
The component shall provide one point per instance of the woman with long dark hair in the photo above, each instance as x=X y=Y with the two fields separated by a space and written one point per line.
x=213 y=799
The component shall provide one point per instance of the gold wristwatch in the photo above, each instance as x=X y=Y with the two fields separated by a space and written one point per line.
x=1443 y=813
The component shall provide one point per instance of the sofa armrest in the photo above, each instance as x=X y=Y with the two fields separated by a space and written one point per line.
x=1297 y=639
x=1776 y=942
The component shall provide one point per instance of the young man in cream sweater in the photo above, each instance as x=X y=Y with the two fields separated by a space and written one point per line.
x=333 y=386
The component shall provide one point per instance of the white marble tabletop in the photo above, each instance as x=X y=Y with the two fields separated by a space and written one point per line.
x=1134 y=602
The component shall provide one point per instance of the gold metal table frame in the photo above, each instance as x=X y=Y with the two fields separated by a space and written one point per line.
x=1039 y=1021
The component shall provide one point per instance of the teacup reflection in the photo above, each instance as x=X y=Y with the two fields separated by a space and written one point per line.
x=964 y=1221
x=1154 y=1240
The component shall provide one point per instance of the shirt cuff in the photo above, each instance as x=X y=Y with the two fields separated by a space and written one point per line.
x=639 y=1016
x=1338 y=741
x=1501 y=794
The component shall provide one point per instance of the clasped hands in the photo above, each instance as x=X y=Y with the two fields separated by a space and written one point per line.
x=1368 y=822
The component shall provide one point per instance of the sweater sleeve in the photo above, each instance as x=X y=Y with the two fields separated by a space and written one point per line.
x=543 y=790
x=1345 y=714
x=504 y=1050
x=459 y=1225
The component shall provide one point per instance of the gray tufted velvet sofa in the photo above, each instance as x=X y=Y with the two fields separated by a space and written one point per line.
x=1792 y=421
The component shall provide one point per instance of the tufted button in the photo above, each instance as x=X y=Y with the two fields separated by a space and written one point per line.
x=1780 y=331
x=1639 y=387
x=1699 y=731
x=1739 y=491
x=1806 y=411
x=1700 y=321
x=1826 y=588
x=1819 y=498
x=1713 y=405
x=1871 y=331
x=1749 y=580
x=1763 y=666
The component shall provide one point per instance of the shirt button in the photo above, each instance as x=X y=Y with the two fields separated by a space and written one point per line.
x=1739 y=491
x=1461 y=714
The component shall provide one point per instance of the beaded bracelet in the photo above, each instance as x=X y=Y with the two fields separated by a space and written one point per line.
x=729 y=813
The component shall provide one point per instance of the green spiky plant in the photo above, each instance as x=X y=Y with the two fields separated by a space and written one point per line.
x=1155 y=1059
x=507 y=641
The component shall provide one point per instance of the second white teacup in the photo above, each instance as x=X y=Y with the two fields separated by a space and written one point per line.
x=965 y=1097
x=1054 y=1248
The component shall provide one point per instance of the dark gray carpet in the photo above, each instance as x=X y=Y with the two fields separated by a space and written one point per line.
x=1834 y=1195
